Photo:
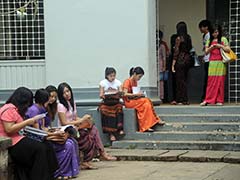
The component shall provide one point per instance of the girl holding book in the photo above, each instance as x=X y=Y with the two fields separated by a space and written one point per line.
x=89 y=141
x=32 y=159
x=111 y=107
x=147 y=117
x=67 y=151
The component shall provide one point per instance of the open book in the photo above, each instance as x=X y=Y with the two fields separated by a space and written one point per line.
x=113 y=93
x=60 y=128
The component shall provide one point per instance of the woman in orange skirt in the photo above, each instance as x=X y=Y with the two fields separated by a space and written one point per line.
x=134 y=98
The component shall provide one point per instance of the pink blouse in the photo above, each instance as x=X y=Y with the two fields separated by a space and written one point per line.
x=70 y=114
x=9 y=114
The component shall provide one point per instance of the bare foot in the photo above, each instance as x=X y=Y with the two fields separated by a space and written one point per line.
x=87 y=165
x=108 y=157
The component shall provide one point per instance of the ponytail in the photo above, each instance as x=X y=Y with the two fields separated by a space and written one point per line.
x=136 y=70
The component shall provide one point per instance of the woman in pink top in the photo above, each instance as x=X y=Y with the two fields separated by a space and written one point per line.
x=33 y=159
x=89 y=142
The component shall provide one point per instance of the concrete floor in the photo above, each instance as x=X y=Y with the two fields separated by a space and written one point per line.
x=149 y=170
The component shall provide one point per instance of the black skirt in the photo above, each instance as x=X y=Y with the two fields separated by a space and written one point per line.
x=33 y=160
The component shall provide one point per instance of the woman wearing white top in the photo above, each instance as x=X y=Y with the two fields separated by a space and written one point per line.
x=110 y=107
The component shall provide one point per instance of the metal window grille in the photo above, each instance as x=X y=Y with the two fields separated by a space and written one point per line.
x=234 y=67
x=21 y=30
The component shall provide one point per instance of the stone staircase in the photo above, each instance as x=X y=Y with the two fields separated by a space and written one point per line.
x=189 y=128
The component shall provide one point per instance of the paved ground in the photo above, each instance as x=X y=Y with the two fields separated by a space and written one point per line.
x=152 y=170
x=166 y=165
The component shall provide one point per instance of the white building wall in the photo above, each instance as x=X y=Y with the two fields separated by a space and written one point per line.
x=83 y=37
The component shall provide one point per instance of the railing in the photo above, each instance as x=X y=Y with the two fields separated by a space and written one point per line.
x=29 y=73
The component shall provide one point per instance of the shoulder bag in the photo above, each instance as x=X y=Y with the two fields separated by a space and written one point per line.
x=228 y=57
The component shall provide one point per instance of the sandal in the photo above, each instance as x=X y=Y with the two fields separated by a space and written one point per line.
x=161 y=123
x=150 y=130
x=112 y=137
x=204 y=103
x=173 y=103
x=121 y=132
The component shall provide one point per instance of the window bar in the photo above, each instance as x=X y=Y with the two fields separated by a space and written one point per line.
x=21 y=38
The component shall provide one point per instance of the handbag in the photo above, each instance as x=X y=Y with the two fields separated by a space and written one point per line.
x=228 y=56
x=57 y=137
x=61 y=134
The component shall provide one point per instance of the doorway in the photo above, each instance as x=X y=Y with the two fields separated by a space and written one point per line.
x=169 y=13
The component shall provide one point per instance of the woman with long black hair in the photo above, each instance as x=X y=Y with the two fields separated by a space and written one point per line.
x=182 y=62
x=33 y=159
x=135 y=98
x=217 y=69
x=90 y=143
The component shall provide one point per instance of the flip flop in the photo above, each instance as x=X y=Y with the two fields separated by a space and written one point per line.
x=161 y=123
x=112 y=137
x=121 y=133
x=149 y=130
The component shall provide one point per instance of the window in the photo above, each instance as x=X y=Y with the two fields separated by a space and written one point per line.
x=21 y=30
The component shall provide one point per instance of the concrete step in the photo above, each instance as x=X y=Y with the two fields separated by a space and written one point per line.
x=199 y=126
x=175 y=155
x=200 y=117
x=196 y=109
x=186 y=136
x=180 y=145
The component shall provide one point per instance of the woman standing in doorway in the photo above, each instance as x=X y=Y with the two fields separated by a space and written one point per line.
x=182 y=62
x=162 y=56
x=217 y=69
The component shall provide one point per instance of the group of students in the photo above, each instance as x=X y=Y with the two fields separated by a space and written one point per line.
x=180 y=61
x=49 y=160
x=133 y=97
